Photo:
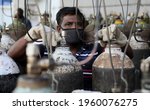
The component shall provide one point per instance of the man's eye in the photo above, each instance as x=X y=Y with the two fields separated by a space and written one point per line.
x=68 y=24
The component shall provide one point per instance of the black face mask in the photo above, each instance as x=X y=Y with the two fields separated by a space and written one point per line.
x=73 y=36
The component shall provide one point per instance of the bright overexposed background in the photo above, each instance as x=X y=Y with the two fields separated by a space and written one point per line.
x=86 y=6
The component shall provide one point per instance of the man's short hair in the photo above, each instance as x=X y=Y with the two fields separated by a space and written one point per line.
x=68 y=11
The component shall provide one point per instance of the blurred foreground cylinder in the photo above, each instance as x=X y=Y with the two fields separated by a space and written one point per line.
x=9 y=73
x=33 y=84
x=33 y=81
x=103 y=78
x=68 y=74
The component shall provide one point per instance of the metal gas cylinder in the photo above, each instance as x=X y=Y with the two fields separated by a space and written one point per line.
x=141 y=50
x=6 y=41
x=30 y=84
x=67 y=72
x=33 y=82
x=145 y=68
x=9 y=72
x=105 y=80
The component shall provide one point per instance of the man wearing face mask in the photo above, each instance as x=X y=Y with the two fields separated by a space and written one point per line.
x=71 y=24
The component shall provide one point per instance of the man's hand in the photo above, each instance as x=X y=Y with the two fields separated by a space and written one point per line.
x=43 y=32
x=112 y=34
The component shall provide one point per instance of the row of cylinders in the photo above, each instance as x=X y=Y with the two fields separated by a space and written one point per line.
x=67 y=76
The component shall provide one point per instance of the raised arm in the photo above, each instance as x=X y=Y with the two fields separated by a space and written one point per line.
x=18 y=49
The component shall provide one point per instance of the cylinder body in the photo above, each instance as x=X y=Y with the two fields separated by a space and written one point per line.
x=67 y=72
x=104 y=79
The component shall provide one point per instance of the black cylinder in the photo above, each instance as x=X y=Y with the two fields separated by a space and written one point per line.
x=8 y=82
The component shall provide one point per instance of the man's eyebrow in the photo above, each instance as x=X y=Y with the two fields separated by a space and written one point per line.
x=69 y=22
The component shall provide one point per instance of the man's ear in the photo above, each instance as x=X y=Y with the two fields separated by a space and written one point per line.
x=58 y=29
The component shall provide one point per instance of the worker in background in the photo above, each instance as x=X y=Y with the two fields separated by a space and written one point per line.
x=16 y=29
x=19 y=15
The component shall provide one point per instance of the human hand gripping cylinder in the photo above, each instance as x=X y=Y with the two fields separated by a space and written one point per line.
x=43 y=32
x=112 y=34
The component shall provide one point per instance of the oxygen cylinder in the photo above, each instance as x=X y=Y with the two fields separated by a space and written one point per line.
x=30 y=84
x=6 y=41
x=145 y=68
x=68 y=74
x=141 y=51
x=104 y=79
x=33 y=82
x=9 y=72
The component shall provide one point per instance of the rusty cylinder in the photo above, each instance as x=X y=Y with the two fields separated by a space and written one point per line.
x=67 y=72
x=103 y=78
